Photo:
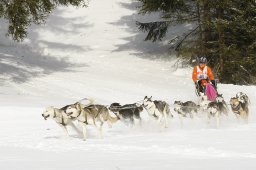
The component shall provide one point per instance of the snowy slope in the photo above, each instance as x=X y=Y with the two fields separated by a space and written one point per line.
x=97 y=52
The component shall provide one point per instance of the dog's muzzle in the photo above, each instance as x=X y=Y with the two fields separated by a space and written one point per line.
x=144 y=105
x=45 y=117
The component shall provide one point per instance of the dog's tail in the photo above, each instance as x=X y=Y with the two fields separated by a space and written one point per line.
x=90 y=102
x=112 y=119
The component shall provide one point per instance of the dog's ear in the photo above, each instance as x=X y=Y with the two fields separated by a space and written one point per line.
x=150 y=97
x=49 y=108
x=145 y=97
x=78 y=106
x=76 y=103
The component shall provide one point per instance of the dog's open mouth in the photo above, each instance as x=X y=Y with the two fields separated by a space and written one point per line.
x=69 y=113
x=45 y=117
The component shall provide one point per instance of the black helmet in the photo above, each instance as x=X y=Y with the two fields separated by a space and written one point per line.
x=202 y=60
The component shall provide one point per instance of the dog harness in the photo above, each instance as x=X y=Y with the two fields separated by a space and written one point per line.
x=85 y=122
x=154 y=114
x=62 y=119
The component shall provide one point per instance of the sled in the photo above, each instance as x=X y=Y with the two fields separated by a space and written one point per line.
x=208 y=89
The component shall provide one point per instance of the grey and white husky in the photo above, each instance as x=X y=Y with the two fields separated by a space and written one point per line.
x=217 y=108
x=90 y=115
x=185 y=109
x=158 y=109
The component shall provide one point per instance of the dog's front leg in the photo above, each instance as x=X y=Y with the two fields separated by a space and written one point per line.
x=64 y=129
x=165 y=120
x=99 y=129
x=181 y=119
x=209 y=115
x=140 y=121
x=159 y=119
x=217 y=116
x=244 y=116
x=84 y=129
x=75 y=128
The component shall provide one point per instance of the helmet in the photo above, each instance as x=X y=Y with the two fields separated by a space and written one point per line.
x=202 y=60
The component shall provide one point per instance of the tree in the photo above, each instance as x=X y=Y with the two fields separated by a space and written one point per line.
x=21 y=13
x=225 y=33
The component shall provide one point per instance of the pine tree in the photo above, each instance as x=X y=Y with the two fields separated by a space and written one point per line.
x=225 y=33
x=21 y=13
x=173 y=12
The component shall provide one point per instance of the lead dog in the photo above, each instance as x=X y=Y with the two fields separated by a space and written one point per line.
x=90 y=115
x=59 y=116
x=240 y=106
x=158 y=109
x=127 y=113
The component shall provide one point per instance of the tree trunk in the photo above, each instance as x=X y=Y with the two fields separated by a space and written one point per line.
x=201 y=46
x=221 y=40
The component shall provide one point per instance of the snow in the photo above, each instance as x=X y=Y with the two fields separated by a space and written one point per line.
x=97 y=52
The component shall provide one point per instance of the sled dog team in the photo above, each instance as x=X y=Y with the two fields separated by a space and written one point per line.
x=97 y=115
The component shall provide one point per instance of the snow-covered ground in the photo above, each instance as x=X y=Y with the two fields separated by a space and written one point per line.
x=97 y=52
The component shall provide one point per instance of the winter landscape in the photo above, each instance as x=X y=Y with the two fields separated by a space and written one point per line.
x=97 y=52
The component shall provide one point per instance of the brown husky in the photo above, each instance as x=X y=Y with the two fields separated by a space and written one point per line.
x=240 y=109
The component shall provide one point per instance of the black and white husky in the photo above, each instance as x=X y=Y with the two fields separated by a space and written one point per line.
x=158 y=109
x=203 y=102
x=127 y=113
x=216 y=108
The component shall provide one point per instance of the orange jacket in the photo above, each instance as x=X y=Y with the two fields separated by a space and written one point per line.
x=200 y=70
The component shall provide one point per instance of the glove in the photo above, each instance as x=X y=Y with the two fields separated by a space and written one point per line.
x=196 y=82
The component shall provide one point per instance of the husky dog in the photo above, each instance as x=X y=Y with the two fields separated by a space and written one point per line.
x=243 y=98
x=186 y=108
x=59 y=117
x=239 y=108
x=203 y=102
x=158 y=109
x=216 y=108
x=127 y=113
x=90 y=115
